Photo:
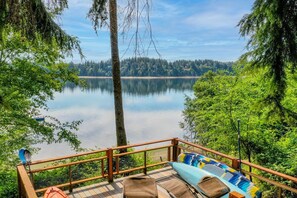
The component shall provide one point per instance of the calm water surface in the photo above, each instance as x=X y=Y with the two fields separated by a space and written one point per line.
x=152 y=107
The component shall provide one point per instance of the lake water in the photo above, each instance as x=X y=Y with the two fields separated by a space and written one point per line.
x=152 y=110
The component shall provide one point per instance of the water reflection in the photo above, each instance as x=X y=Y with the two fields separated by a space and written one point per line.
x=152 y=109
x=139 y=87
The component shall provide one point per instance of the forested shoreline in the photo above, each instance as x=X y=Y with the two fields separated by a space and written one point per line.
x=141 y=67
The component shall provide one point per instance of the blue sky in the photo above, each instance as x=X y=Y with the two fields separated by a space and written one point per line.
x=183 y=29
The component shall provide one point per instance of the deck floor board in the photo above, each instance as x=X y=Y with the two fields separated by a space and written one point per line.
x=114 y=190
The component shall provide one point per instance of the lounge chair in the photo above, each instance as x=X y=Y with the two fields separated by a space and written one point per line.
x=140 y=187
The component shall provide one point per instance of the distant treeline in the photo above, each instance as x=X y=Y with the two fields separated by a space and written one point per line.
x=152 y=67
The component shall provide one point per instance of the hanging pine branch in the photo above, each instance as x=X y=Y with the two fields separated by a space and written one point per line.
x=35 y=16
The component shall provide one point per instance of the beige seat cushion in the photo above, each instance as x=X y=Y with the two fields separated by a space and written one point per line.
x=213 y=187
x=140 y=187
x=178 y=188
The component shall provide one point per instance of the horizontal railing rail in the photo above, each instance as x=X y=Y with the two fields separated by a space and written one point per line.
x=68 y=164
x=67 y=157
x=284 y=176
x=112 y=158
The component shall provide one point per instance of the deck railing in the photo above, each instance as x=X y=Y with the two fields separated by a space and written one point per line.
x=109 y=160
x=235 y=163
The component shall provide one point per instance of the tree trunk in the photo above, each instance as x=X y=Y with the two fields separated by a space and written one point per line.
x=116 y=75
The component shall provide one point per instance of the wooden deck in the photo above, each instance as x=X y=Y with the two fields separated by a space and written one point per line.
x=114 y=190
x=107 y=156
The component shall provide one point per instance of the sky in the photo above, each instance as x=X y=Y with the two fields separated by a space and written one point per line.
x=182 y=29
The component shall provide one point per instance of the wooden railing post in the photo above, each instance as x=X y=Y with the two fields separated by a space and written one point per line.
x=70 y=179
x=178 y=151
x=169 y=154
x=20 y=186
x=145 y=169
x=117 y=164
x=235 y=164
x=102 y=168
x=109 y=154
x=174 y=142
x=25 y=185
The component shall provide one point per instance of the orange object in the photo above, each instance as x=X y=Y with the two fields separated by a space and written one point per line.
x=54 y=192
x=235 y=194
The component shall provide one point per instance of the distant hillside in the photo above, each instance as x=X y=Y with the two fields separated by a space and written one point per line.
x=152 y=67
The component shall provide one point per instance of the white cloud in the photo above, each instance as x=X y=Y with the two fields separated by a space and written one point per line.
x=80 y=3
x=181 y=28
x=164 y=99
x=220 y=43
x=213 y=20
x=98 y=128
x=162 y=9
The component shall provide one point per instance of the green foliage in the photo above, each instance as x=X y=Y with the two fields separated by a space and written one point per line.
x=272 y=31
x=153 y=67
x=34 y=16
x=78 y=172
x=8 y=183
x=267 y=139
x=31 y=71
x=98 y=13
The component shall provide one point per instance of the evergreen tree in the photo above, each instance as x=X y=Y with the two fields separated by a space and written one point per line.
x=272 y=31
x=220 y=100
x=144 y=66
x=34 y=16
